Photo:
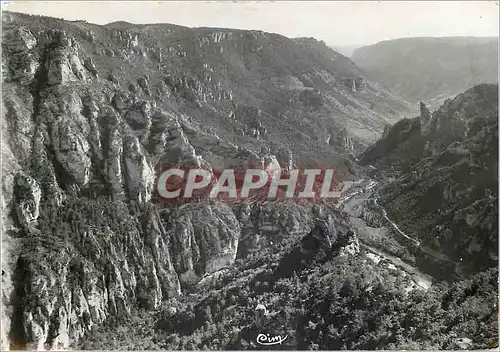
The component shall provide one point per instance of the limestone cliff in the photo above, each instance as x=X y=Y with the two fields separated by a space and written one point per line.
x=91 y=114
x=447 y=189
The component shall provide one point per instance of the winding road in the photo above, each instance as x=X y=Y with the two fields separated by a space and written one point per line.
x=354 y=198
x=425 y=250
x=348 y=204
x=417 y=242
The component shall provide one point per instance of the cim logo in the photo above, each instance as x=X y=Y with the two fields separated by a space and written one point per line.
x=268 y=340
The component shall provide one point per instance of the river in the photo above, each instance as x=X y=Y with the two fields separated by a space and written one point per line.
x=353 y=196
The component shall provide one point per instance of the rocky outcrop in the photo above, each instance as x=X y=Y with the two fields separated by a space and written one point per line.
x=350 y=245
x=204 y=239
x=448 y=185
x=328 y=237
x=425 y=118
x=139 y=176
x=68 y=136
x=270 y=224
x=340 y=138
x=21 y=65
x=28 y=195
x=144 y=85
x=71 y=286
x=371 y=217
x=63 y=63
x=355 y=84
x=89 y=64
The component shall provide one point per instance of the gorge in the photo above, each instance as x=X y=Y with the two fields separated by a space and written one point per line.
x=90 y=261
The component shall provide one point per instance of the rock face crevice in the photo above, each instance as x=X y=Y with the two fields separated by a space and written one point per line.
x=16 y=331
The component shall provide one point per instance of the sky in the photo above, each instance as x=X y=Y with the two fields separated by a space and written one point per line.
x=338 y=23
